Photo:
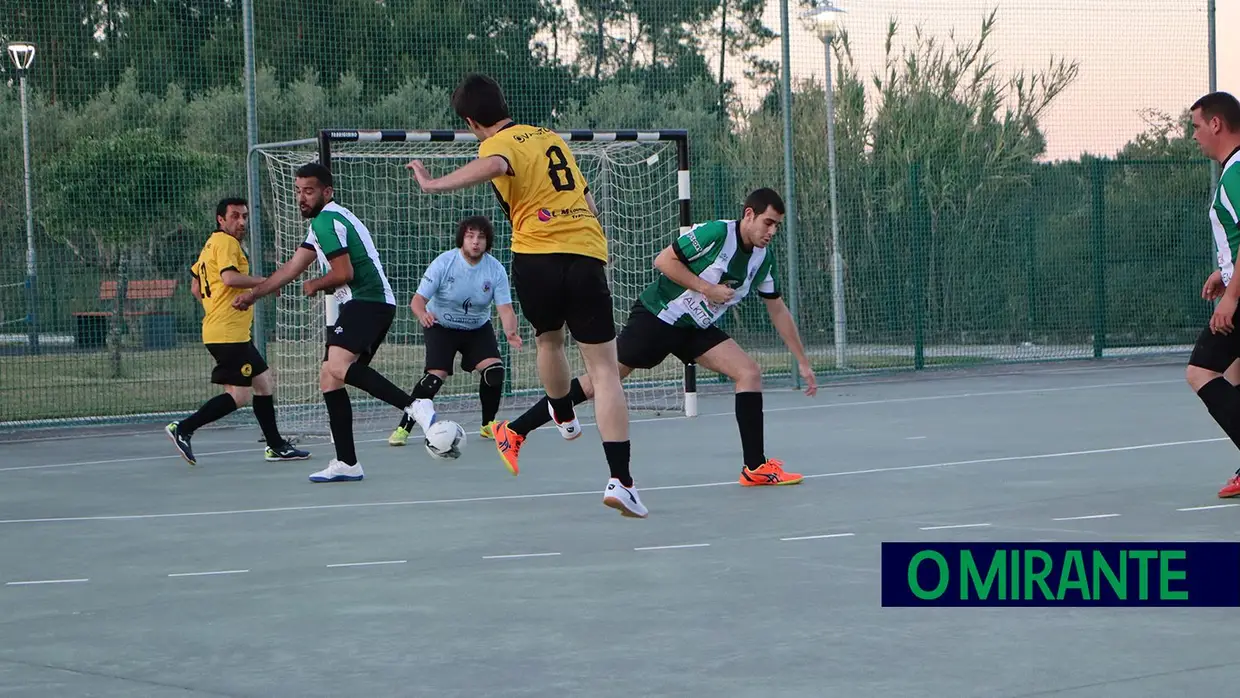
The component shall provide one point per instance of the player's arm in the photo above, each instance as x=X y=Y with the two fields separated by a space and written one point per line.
x=503 y=306
x=195 y=288
x=671 y=263
x=427 y=288
x=477 y=171
x=341 y=273
x=590 y=203
x=293 y=268
x=229 y=260
x=786 y=326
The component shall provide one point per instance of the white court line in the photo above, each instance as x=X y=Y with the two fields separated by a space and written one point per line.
x=675 y=547
x=1211 y=506
x=1088 y=516
x=798 y=408
x=45 y=581
x=941 y=528
x=368 y=564
x=513 y=557
x=824 y=535
x=593 y=493
x=914 y=438
x=207 y=574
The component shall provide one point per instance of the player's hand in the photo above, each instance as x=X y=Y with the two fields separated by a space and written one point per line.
x=1221 y=320
x=807 y=374
x=719 y=294
x=244 y=301
x=308 y=289
x=427 y=319
x=420 y=173
x=1213 y=287
x=514 y=340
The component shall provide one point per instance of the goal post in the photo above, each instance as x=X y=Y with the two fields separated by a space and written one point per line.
x=640 y=183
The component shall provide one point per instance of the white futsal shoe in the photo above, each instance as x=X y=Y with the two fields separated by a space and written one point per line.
x=624 y=499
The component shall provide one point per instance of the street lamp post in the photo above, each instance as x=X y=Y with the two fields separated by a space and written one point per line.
x=826 y=20
x=22 y=54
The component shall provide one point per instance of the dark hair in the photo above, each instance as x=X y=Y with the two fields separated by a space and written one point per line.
x=479 y=223
x=317 y=171
x=761 y=199
x=221 y=209
x=480 y=98
x=1220 y=104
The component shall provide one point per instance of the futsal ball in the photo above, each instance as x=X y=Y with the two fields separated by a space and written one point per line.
x=445 y=440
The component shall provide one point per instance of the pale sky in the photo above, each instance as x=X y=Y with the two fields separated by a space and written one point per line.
x=1129 y=60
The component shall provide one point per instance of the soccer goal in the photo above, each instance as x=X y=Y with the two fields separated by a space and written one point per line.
x=640 y=182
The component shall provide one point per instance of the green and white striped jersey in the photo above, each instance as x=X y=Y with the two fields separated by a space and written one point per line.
x=336 y=231
x=714 y=252
x=1223 y=216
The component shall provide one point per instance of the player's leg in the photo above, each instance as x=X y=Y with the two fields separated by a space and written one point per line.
x=441 y=346
x=725 y=356
x=642 y=343
x=1213 y=356
x=363 y=327
x=480 y=352
x=538 y=283
x=589 y=320
x=264 y=384
x=1232 y=374
x=232 y=372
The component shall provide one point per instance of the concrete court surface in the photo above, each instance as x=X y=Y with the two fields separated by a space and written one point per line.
x=124 y=572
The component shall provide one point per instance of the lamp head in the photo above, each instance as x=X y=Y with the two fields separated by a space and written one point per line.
x=22 y=53
x=825 y=20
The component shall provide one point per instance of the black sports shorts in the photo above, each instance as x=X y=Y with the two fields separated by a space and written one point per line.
x=646 y=340
x=444 y=343
x=361 y=327
x=236 y=363
x=561 y=289
x=1216 y=352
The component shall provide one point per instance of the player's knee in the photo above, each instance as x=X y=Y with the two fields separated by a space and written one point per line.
x=492 y=377
x=550 y=341
x=748 y=377
x=240 y=395
x=328 y=381
x=1197 y=376
x=427 y=386
x=264 y=384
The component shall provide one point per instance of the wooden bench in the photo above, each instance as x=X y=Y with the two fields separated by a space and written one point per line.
x=158 y=325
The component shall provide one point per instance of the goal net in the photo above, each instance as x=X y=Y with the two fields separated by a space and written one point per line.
x=640 y=183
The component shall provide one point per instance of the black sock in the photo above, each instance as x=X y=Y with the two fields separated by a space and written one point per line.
x=265 y=413
x=217 y=407
x=1223 y=402
x=426 y=389
x=340 y=417
x=617 y=453
x=489 y=396
x=373 y=382
x=539 y=415
x=749 y=421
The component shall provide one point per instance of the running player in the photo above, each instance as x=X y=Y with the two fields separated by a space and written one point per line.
x=1216 y=128
x=337 y=239
x=219 y=275
x=558 y=266
x=453 y=303
x=707 y=270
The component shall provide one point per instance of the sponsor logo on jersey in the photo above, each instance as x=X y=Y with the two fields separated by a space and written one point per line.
x=545 y=215
x=486 y=286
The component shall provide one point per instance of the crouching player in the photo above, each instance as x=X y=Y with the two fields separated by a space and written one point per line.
x=707 y=270
x=453 y=303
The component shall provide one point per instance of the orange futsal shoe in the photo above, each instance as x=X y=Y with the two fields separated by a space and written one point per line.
x=508 y=443
x=769 y=473
x=1231 y=489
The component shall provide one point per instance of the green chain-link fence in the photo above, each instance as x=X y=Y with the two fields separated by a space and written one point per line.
x=1015 y=179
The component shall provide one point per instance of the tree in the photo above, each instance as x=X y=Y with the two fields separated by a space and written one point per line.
x=118 y=199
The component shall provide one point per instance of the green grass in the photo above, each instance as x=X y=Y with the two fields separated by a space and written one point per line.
x=66 y=386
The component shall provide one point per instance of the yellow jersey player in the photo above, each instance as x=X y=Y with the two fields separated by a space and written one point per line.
x=559 y=258
x=219 y=275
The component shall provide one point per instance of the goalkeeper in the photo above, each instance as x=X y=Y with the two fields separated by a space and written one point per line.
x=453 y=303
x=707 y=270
